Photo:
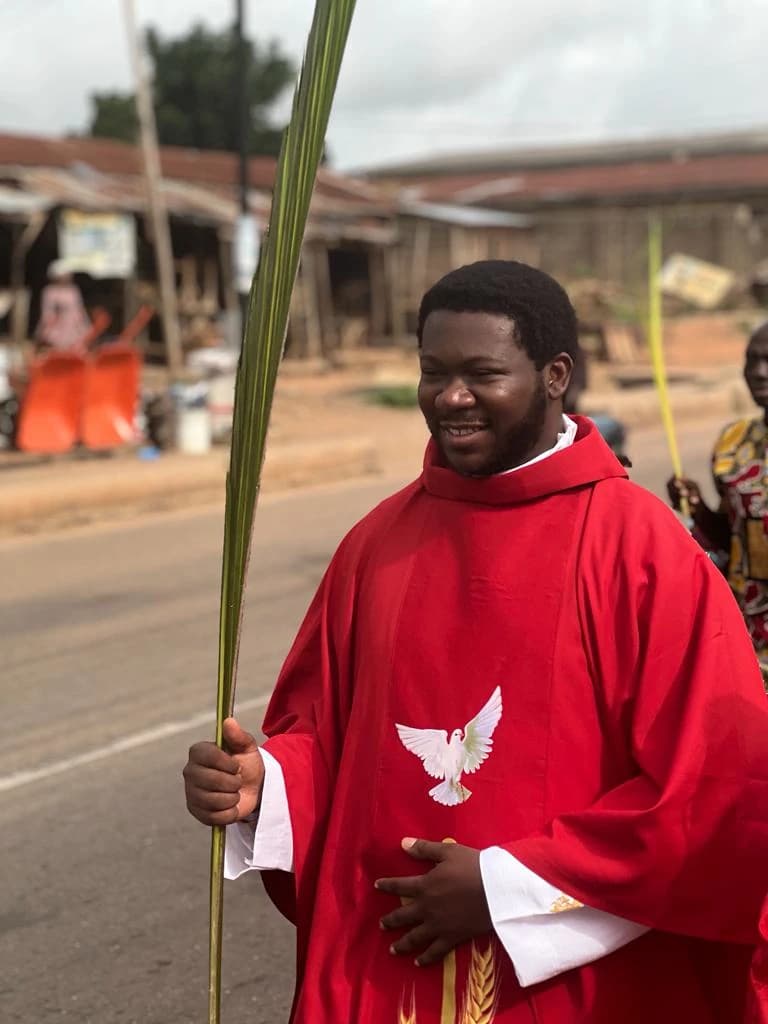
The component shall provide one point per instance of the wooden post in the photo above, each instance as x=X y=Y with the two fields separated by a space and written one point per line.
x=393 y=260
x=420 y=264
x=227 y=268
x=153 y=176
x=21 y=246
x=129 y=299
x=297 y=324
x=328 y=324
x=244 y=133
x=456 y=246
x=378 y=279
x=314 y=332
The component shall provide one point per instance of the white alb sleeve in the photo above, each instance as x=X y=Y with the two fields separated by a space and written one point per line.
x=267 y=845
x=544 y=931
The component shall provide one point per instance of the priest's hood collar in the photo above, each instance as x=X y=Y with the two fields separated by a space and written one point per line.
x=586 y=461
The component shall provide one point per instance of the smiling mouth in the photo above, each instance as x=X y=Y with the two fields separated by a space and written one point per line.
x=461 y=431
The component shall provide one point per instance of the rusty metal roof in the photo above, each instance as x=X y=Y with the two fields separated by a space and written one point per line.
x=572 y=154
x=464 y=216
x=94 y=174
x=15 y=204
x=682 y=176
x=198 y=167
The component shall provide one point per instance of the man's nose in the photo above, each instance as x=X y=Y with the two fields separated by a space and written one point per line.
x=456 y=395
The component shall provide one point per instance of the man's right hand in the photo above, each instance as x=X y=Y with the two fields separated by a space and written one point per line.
x=224 y=786
x=679 y=488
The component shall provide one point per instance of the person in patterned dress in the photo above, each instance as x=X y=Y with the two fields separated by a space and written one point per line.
x=736 y=532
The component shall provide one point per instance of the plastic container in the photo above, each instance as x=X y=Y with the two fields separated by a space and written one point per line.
x=6 y=391
x=193 y=431
x=194 y=434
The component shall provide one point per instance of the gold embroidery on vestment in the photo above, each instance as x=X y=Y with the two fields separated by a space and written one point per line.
x=481 y=995
x=564 y=903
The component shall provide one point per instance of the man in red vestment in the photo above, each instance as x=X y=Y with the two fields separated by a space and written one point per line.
x=517 y=759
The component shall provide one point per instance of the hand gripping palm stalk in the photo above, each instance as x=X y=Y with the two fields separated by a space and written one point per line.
x=262 y=349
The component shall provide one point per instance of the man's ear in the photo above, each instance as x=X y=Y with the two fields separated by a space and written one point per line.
x=557 y=375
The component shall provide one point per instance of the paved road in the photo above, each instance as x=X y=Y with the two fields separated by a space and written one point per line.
x=108 y=655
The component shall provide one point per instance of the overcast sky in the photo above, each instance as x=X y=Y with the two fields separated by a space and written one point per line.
x=430 y=76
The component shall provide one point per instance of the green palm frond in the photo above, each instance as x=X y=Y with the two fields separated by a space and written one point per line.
x=262 y=350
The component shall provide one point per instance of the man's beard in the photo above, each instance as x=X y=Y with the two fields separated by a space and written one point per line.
x=516 y=446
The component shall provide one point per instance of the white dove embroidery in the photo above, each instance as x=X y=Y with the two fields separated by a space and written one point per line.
x=450 y=759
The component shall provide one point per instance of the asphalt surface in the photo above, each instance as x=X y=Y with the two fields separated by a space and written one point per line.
x=108 y=640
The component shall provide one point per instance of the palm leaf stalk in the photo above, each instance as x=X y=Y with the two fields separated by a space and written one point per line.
x=263 y=342
x=656 y=344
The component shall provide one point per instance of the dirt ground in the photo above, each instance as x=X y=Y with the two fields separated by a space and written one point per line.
x=709 y=340
x=318 y=403
x=335 y=402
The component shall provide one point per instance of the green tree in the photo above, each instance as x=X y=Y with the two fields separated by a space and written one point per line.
x=114 y=116
x=196 y=93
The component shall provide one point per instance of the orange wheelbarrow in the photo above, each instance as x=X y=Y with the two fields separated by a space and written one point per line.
x=111 y=392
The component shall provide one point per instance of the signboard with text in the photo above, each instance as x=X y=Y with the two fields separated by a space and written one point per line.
x=695 y=281
x=99 y=244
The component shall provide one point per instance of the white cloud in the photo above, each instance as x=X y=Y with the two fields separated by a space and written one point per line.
x=435 y=75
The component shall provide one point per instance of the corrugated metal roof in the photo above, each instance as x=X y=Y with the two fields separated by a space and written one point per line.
x=571 y=154
x=683 y=177
x=464 y=216
x=17 y=204
x=101 y=174
x=55 y=187
x=204 y=168
x=83 y=188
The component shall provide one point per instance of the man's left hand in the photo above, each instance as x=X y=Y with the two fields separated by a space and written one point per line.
x=444 y=907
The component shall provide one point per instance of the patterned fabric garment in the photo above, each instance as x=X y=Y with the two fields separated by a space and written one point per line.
x=741 y=477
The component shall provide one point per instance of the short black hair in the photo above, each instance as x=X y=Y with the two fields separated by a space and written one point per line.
x=760 y=332
x=545 y=320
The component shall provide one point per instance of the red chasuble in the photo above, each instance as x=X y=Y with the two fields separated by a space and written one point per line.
x=757 y=1011
x=629 y=762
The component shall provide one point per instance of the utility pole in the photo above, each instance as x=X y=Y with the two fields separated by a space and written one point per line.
x=161 y=231
x=246 y=243
x=244 y=115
